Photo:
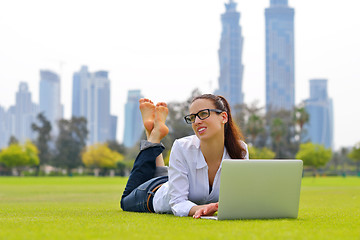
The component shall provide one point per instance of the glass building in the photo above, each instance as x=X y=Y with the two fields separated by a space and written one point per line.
x=4 y=133
x=22 y=115
x=280 y=80
x=320 y=128
x=17 y=120
x=230 y=56
x=91 y=99
x=50 y=104
x=133 y=121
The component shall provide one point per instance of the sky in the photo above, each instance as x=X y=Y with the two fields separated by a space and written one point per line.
x=167 y=48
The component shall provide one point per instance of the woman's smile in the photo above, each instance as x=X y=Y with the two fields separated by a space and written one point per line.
x=201 y=130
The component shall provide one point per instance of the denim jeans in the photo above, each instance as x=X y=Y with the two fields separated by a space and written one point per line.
x=140 y=199
x=138 y=193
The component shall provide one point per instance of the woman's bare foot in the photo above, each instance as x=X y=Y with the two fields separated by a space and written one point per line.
x=160 y=130
x=147 y=109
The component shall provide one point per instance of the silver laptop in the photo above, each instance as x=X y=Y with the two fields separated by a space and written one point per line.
x=259 y=189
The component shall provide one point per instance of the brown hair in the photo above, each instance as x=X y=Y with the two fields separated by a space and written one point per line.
x=232 y=132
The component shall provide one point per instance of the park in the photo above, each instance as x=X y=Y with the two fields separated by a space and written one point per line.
x=88 y=208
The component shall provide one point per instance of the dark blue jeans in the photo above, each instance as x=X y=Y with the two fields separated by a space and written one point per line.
x=140 y=188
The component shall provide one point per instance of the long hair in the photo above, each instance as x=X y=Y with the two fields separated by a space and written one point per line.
x=232 y=132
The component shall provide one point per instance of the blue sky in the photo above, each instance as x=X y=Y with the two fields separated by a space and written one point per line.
x=167 y=48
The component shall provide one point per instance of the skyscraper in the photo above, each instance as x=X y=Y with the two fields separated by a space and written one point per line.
x=133 y=121
x=230 y=56
x=49 y=98
x=23 y=114
x=91 y=99
x=280 y=80
x=320 y=128
x=4 y=133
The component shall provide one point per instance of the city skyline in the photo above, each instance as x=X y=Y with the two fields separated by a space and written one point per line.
x=140 y=54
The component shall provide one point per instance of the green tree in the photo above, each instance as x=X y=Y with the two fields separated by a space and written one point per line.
x=289 y=143
x=13 y=140
x=43 y=139
x=101 y=156
x=314 y=155
x=301 y=117
x=278 y=131
x=175 y=120
x=355 y=156
x=70 y=142
x=251 y=122
x=254 y=126
x=261 y=153
x=116 y=146
x=19 y=156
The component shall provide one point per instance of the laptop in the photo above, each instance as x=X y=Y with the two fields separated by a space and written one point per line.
x=259 y=189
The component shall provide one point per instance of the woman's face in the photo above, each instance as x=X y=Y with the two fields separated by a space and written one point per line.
x=211 y=127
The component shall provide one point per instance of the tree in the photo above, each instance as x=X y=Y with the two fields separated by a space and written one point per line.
x=101 y=156
x=355 y=156
x=254 y=126
x=70 y=142
x=301 y=117
x=261 y=153
x=43 y=138
x=314 y=155
x=18 y=156
x=13 y=140
x=175 y=120
x=116 y=146
x=278 y=131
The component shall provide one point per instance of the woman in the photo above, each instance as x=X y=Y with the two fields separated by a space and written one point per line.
x=192 y=188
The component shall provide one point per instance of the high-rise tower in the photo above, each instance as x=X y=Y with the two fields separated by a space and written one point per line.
x=50 y=103
x=24 y=113
x=280 y=80
x=230 y=56
x=4 y=130
x=133 y=121
x=320 y=128
x=91 y=99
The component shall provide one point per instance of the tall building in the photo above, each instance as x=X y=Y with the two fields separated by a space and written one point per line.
x=49 y=98
x=320 y=128
x=91 y=99
x=230 y=56
x=133 y=121
x=4 y=132
x=22 y=115
x=280 y=78
x=113 y=130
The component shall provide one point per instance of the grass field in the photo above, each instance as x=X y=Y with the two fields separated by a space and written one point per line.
x=88 y=208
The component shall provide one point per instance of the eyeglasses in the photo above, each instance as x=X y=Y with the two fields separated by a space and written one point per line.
x=202 y=114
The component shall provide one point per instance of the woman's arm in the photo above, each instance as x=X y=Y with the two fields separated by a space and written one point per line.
x=179 y=181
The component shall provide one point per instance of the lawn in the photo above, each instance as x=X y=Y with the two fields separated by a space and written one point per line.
x=88 y=208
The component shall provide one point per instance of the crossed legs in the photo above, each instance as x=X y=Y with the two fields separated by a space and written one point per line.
x=149 y=158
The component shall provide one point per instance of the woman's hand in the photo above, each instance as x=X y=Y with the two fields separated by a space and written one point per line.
x=206 y=210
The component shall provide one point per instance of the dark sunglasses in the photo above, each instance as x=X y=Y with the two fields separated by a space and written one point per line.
x=202 y=114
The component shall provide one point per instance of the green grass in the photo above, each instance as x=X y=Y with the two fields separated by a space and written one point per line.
x=88 y=208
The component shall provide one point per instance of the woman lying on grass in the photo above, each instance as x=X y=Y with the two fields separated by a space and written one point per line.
x=190 y=187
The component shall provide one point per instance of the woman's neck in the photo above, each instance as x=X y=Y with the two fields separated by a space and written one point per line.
x=212 y=150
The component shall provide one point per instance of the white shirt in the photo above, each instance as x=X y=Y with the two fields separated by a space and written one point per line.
x=188 y=183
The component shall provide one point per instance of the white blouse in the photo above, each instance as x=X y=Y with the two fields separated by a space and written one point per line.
x=188 y=183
